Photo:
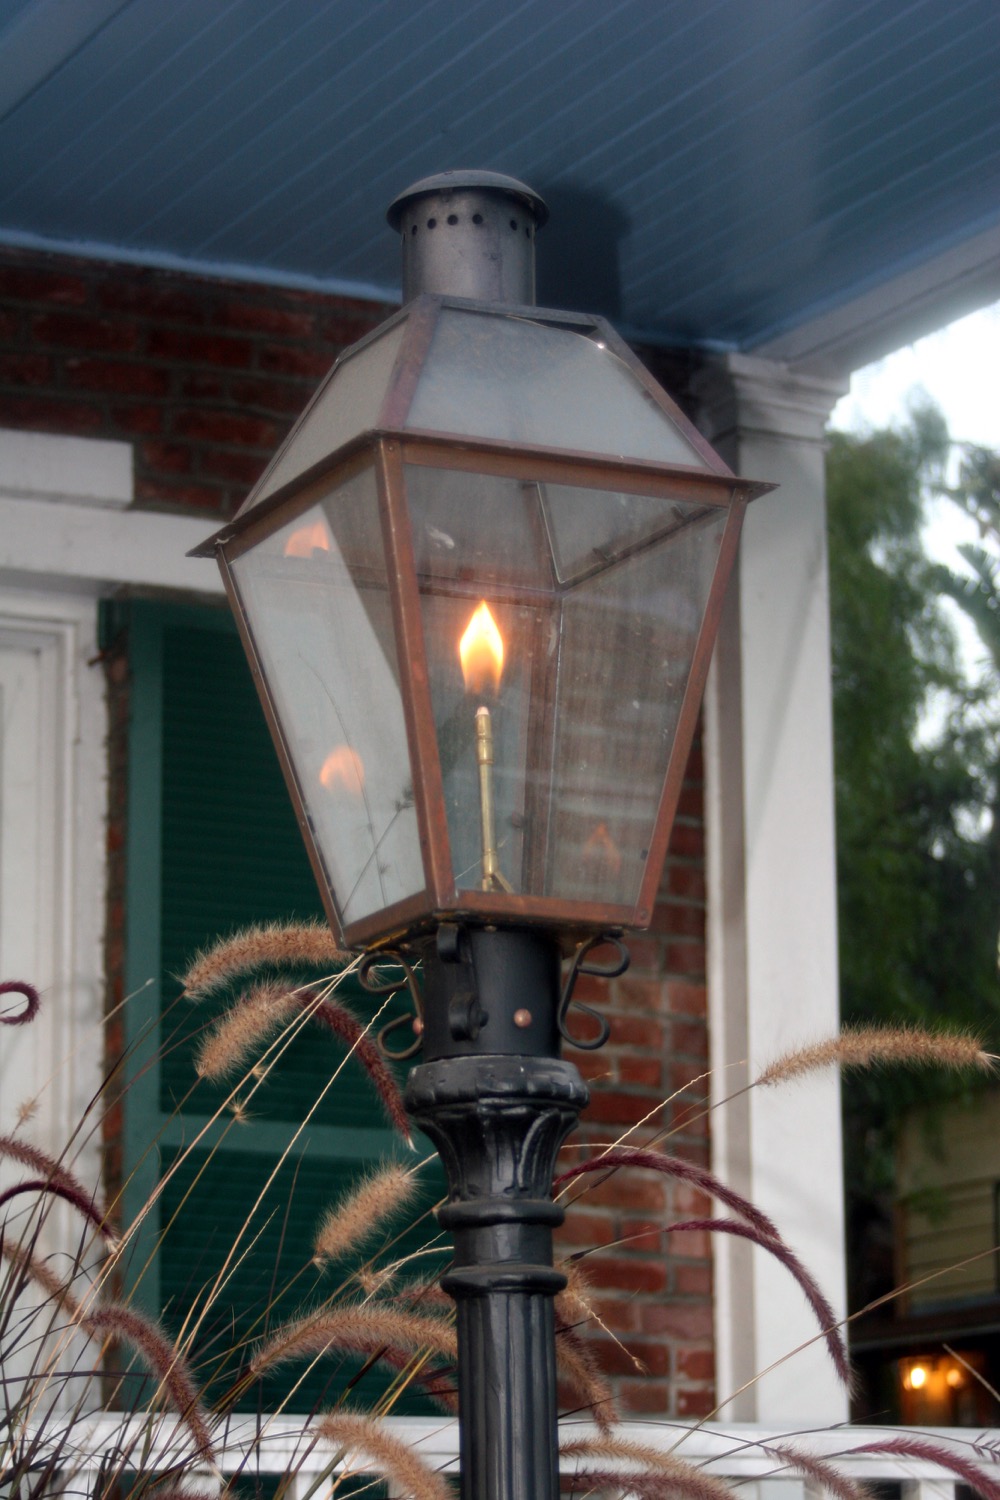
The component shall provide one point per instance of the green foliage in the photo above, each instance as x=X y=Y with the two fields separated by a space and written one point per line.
x=917 y=752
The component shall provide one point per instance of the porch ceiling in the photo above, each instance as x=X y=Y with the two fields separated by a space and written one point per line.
x=719 y=172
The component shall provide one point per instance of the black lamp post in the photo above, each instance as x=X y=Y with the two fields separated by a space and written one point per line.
x=479 y=587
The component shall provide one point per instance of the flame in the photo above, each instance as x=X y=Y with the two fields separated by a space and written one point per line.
x=343 y=768
x=305 y=540
x=601 y=846
x=481 y=652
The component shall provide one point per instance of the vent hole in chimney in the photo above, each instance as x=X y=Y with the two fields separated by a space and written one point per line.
x=453 y=218
x=414 y=229
x=513 y=225
x=477 y=218
x=432 y=223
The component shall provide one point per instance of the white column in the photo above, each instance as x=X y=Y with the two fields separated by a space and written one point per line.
x=772 y=896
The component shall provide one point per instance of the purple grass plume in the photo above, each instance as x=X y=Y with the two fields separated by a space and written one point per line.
x=672 y=1166
x=71 y=1193
x=155 y=1349
x=775 y=1246
x=957 y=1463
x=32 y=1002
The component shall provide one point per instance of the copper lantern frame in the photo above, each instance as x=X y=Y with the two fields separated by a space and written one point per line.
x=386 y=447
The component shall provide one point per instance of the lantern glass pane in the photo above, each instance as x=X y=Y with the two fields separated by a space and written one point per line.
x=346 y=404
x=491 y=376
x=598 y=633
x=316 y=599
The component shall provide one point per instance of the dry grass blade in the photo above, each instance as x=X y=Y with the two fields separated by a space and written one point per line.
x=882 y=1046
x=934 y=1452
x=163 y=1359
x=367 y=1329
x=303 y=943
x=775 y=1246
x=362 y=1212
x=387 y=1456
x=672 y=1166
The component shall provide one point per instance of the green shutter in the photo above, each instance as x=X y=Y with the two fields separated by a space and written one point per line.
x=212 y=846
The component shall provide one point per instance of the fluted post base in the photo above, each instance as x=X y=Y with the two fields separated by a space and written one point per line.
x=498 y=1120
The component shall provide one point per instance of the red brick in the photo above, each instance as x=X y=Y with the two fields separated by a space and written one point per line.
x=279 y=359
x=619 y=1313
x=645 y=1397
x=208 y=426
x=684 y=958
x=31 y=284
x=595 y=1067
x=199 y=348
x=49 y=414
x=637 y=1031
x=646 y=955
x=647 y=1072
x=122 y=377
x=242 y=468
x=690 y=1038
x=695 y=769
x=150 y=299
x=676 y=920
x=636 y=1191
x=693 y=1281
x=695 y=1403
x=276 y=397
x=199 y=497
x=689 y=1244
x=581 y=1230
x=696 y=1364
x=639 y=994
x=691 y=803
x=262 y=317
x=685 y=881
x=25 y=368
x=78 y=331
x=344 y=331
x=138 y=419
x=9 y=324
x=688 y=841
x=168 y=458
x=687 y=998
x=201 y=385
x=616 y=1108
x=643 y=1236
x=618 y=1360
x=687 y=1320
x=627 y=1275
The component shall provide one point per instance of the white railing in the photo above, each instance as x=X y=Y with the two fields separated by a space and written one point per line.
x=741 y=1453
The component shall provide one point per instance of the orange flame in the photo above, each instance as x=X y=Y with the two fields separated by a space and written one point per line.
x=343 y=769
x=481 y=652
x=601 y=846
x=306 y=540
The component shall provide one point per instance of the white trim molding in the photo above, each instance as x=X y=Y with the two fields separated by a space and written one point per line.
x=771 y=891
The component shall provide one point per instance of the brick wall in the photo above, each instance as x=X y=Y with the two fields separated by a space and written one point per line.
x=205 y=377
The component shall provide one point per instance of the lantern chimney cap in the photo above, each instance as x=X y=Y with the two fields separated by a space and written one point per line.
x=443 y=183
x=469 y=234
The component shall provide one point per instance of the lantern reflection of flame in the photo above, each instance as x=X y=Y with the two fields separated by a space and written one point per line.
x=481 y=652
x=305 y=540
x=601 y=846
x=343 y=769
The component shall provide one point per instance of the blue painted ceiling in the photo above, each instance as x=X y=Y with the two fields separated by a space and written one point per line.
x=719 y=171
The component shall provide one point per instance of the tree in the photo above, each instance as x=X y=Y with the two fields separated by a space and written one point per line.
x=918 y=835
